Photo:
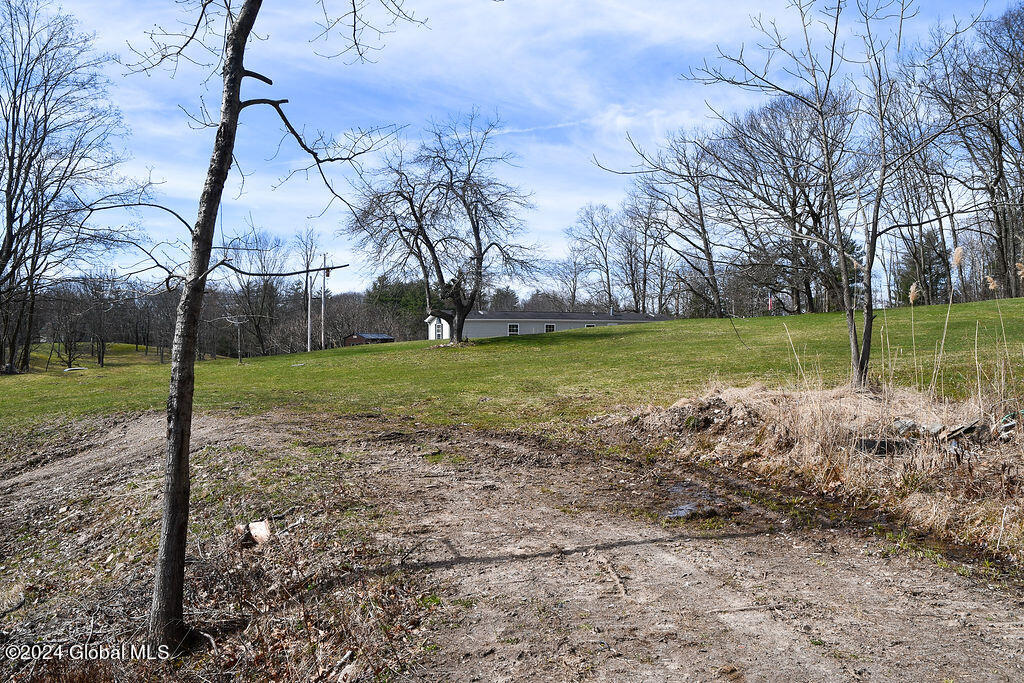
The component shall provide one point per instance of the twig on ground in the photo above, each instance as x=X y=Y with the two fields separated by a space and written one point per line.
x=13 y=609
x=748 y=608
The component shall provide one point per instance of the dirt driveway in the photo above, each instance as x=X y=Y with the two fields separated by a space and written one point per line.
x=555 y=564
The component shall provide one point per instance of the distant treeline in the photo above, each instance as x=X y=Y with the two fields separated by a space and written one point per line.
x=259 y=316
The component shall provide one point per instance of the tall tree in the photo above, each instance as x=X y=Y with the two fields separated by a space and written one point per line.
x=307 y=247
x=445 y=215
x=568 y=274
x=635 y=249
x=593 y=236
x=58 y=150
x=223 y=29
x=679 y=181
x=257 y=288
x=859 y=88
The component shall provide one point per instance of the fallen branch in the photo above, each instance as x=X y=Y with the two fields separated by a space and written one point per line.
x=748 y=608
x=13 y=609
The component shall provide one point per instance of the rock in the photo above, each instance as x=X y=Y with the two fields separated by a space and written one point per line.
x=905 y=427
x=260 y=531
x=253 y=533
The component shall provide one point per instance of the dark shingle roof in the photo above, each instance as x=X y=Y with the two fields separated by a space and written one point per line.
x=621 y=316
x=372 y=335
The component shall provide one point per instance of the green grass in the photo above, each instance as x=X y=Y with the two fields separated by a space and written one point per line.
x=530 y=379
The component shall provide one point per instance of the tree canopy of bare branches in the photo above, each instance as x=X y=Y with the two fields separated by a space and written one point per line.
x=59 y=144
x=439 y=210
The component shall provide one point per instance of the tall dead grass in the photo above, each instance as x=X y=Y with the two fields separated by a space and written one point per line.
x=944 y=466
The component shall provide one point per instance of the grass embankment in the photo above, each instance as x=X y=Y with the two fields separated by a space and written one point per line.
x=506 y=382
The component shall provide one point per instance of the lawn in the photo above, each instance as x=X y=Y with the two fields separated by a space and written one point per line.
x=539 y=378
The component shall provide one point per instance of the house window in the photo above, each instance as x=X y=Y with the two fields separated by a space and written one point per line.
x=590 y=325
x=438 y=330
x=549 y=327
x=513 y=329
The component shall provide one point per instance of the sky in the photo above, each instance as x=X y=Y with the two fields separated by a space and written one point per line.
x=569 y=79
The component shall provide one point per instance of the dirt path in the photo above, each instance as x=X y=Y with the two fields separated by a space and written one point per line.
x=556 y=565
x=545 y=581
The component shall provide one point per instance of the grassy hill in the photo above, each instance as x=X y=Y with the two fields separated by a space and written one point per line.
x=530 y=379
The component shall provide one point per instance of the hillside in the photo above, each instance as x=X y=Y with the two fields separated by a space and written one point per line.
x=532 y=379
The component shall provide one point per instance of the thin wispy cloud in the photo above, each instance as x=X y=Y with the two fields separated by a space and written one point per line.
x=538 y=129
x=569 y=80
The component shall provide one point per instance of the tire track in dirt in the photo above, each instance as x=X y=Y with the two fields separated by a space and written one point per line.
x=543 y=575
x=532 y=587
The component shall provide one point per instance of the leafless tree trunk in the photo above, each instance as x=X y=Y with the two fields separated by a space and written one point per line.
x=166 y=621
x=223 y=28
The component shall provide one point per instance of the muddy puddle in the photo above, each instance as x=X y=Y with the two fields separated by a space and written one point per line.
x=692 y=500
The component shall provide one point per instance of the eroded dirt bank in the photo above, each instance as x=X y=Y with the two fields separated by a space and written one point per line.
x=551 y=563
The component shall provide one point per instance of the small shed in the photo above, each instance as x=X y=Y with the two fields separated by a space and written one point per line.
x=360 y=338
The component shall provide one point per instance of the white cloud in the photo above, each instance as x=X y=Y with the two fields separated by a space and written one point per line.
x=569 y=78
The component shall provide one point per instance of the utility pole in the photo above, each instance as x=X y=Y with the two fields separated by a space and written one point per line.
x=309 y=313
x=323 y=306
x=237 y=322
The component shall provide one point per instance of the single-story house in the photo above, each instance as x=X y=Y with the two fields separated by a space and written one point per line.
x=512 y=323
x=360 y=338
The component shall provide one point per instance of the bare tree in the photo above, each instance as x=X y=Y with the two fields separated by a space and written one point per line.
x=976 y=83
x=101 y=297
x=593 y=235
x=834 y=85
x=221 y=31
x=57 y=136
x=678 y=181
x=67 y=322
x=307 y=248
x=445 y=214
x=257 y=285
x=568 y=274
x=635 y=248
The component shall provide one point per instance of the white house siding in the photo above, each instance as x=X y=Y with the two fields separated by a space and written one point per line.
x=478 y=329
x=446 y=330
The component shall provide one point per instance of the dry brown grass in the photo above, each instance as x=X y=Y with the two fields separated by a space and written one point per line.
x=948 y=468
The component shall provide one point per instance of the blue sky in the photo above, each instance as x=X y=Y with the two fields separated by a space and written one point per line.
x=569 y=79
